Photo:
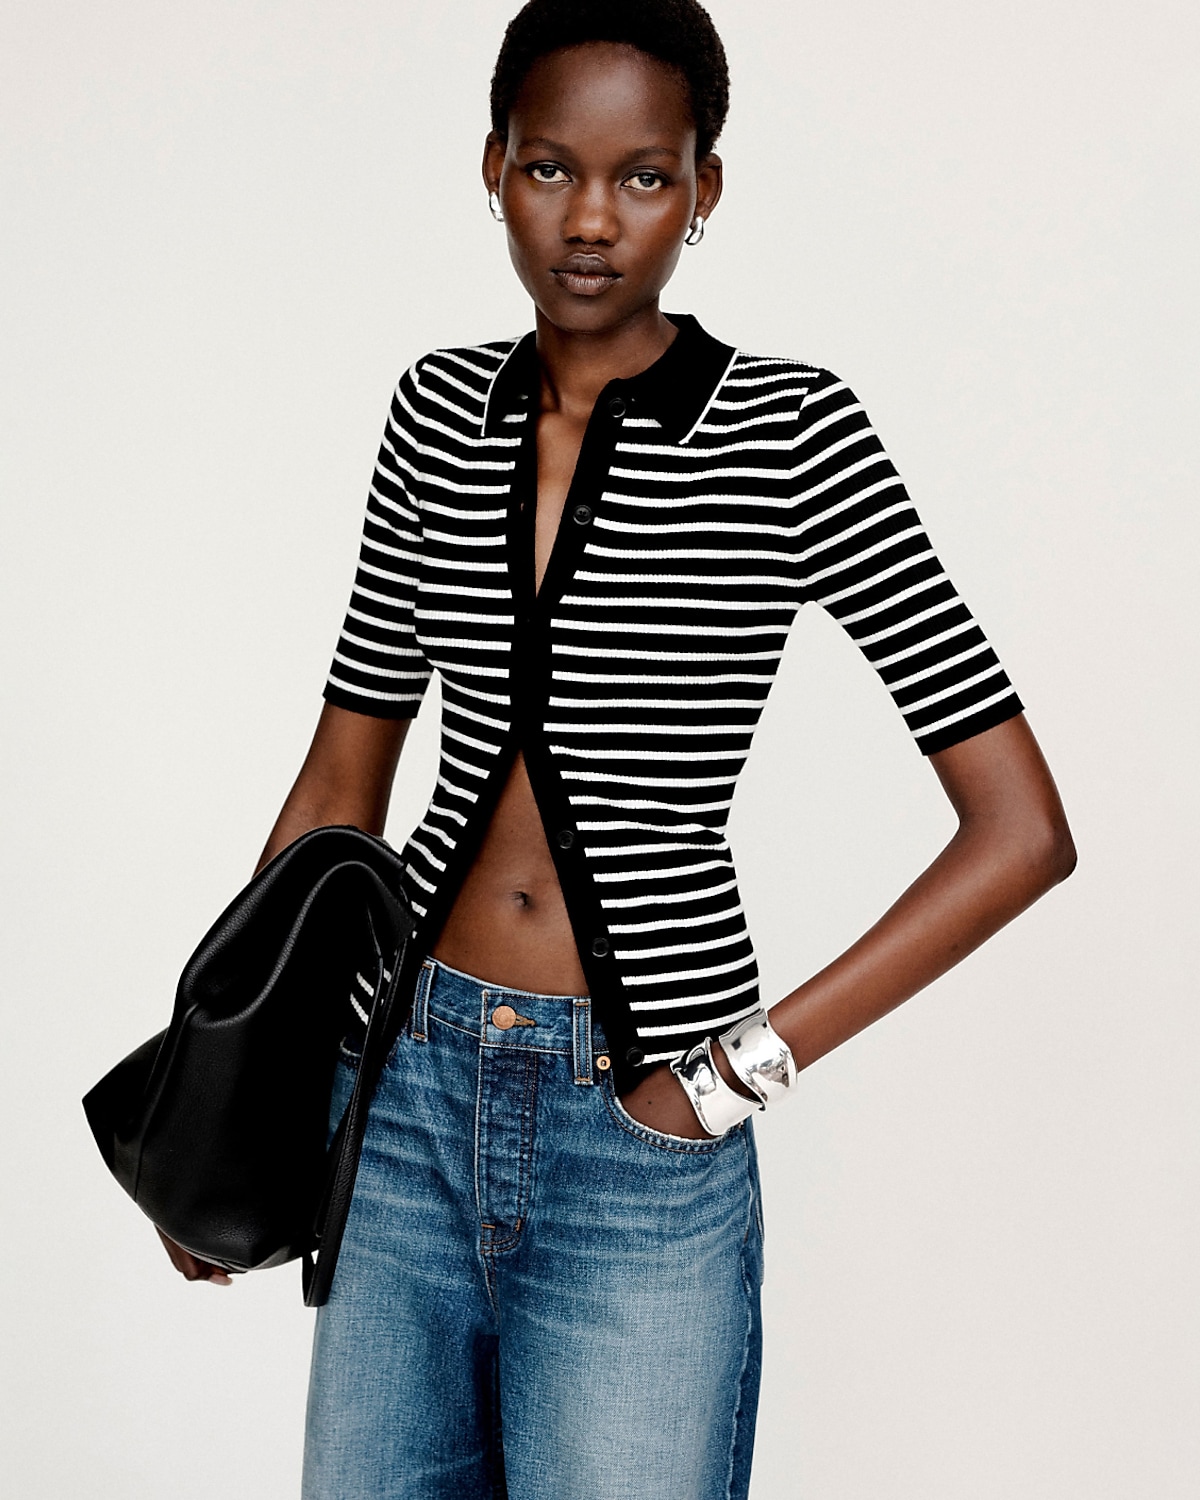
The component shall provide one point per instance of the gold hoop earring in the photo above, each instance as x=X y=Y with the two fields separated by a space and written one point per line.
x=695 y=231
x=494 y=205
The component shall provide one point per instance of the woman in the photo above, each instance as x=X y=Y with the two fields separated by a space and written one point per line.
x=599 y=535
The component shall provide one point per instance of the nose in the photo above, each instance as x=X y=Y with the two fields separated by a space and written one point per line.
x=591 y=216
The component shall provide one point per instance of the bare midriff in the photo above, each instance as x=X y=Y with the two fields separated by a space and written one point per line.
x=509 y=923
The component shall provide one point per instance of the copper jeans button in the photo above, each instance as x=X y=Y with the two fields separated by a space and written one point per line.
x=503 y=1017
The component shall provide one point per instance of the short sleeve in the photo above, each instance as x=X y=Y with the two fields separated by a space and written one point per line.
x=865 y=557
x=379 y=668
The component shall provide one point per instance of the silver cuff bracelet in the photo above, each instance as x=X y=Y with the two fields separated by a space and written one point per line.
x=718 y=1107
x=760 y=1057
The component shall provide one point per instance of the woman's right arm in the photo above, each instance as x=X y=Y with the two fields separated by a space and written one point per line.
x=346 y=778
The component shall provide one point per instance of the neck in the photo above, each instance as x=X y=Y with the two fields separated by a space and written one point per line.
x=577 y=366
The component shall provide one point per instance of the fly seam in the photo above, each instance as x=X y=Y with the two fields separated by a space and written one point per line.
x=581 y=1037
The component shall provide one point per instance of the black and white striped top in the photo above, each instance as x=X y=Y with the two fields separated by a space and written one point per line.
x=714 y=494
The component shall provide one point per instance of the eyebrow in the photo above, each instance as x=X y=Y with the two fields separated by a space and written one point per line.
x=544 y=143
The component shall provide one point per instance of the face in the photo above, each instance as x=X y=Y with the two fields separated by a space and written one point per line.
x=599 y=182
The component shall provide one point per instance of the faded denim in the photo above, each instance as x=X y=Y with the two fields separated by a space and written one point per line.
x=537 y=1297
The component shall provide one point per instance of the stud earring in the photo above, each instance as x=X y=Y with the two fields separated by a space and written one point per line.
x=695 y=231
x=494 y=205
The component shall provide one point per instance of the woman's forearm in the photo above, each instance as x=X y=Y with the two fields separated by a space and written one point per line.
x=1011 y=846
x=969 y=892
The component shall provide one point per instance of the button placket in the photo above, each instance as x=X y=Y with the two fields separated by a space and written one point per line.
x=532 y=667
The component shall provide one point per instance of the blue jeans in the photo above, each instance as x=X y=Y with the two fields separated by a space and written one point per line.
x=537 y=1296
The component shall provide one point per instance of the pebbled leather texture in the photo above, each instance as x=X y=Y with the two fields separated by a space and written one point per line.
x=217 y=1127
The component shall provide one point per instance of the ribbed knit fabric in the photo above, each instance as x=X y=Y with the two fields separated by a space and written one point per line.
x=714 y=494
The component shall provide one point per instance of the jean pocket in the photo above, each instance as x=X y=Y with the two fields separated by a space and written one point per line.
x=679 y=1145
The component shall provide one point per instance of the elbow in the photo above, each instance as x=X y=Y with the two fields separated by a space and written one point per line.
x=1050 y=851
x=1064 y=855
x=1030 y=854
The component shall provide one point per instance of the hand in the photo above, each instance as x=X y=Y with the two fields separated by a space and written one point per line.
x=191 y=1266
x=660 y=1103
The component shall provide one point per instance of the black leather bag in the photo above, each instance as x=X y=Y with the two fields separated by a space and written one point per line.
x=217 y=1128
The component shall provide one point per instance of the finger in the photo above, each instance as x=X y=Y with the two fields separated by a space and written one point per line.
x=191 y=1267
x=204 y=1270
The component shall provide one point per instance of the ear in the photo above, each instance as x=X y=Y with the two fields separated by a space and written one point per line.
x=493 y=160
x=709 y=181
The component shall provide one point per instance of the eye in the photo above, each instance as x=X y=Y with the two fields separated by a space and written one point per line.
x=546 y=171
x=645 y=182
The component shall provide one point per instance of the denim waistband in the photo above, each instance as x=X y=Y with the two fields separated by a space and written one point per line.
x=501 y=1016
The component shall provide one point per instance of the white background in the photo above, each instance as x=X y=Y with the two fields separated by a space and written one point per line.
x=226 y=228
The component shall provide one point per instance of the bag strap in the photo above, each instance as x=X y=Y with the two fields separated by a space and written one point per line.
x=346 y=1147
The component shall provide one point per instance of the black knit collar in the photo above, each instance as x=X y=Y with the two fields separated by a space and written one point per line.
x=675 y=390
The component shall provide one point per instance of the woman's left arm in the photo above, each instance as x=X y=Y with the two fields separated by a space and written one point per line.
x=1011 y=846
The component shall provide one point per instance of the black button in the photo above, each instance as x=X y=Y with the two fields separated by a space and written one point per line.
x=599 y=946
x=581 y=515
x=616 y=407
x=566 y=837
x=635 y=1057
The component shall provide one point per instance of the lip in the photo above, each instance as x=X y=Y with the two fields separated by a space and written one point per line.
x=585 y=275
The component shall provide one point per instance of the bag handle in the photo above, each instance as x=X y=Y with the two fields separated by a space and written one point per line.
x=344 y=1152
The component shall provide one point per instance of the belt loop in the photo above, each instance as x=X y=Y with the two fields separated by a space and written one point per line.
x=581 y=1038
x=420 y=1010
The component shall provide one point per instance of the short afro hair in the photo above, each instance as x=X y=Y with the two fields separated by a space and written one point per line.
x=679 y=33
